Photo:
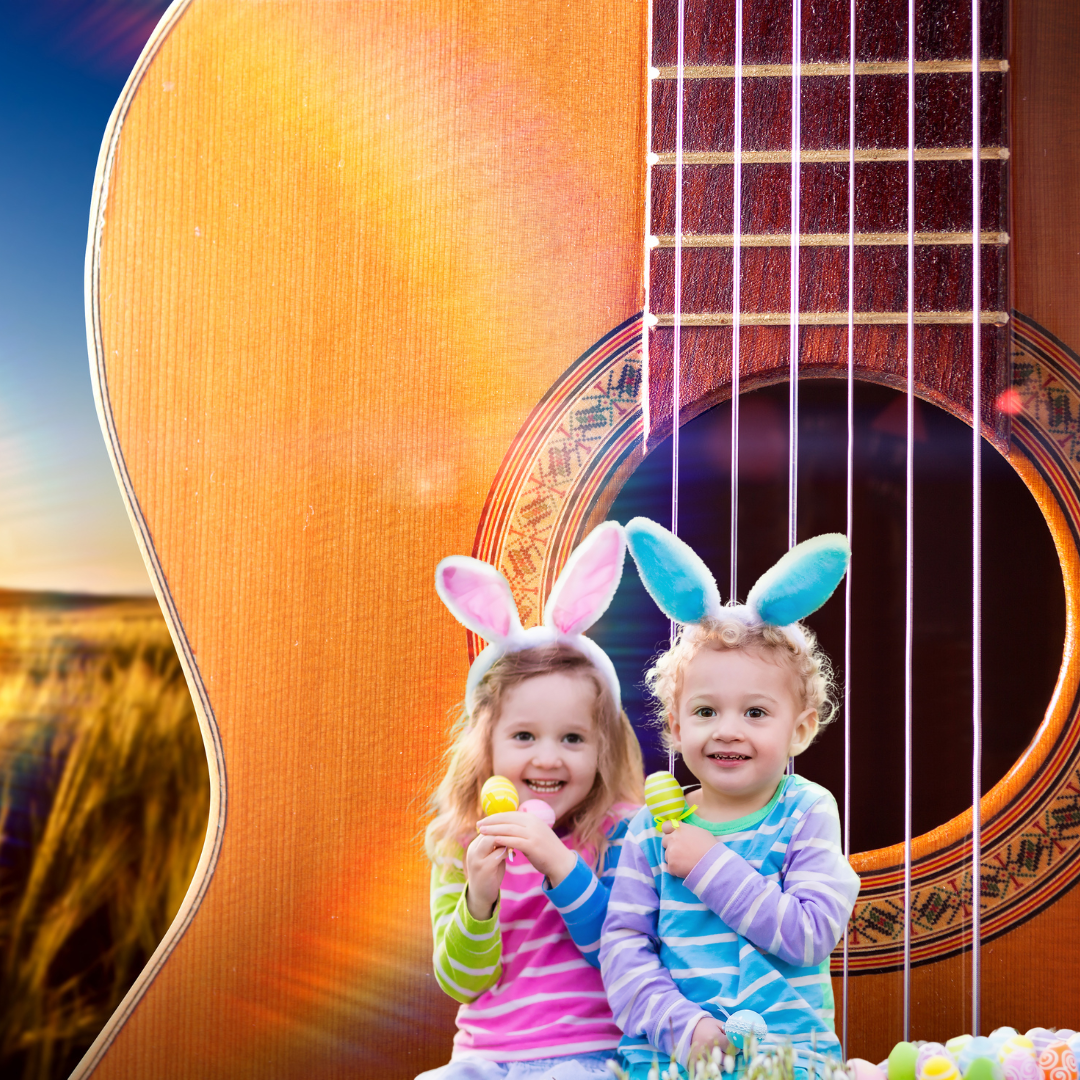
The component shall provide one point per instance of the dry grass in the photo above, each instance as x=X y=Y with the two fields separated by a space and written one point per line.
x=104 y=807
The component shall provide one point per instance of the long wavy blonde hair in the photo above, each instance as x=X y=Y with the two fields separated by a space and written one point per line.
x=806 y=661
x=619 y=769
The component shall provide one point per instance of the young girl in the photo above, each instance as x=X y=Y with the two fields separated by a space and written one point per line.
x=517 y=940
x=740 y=907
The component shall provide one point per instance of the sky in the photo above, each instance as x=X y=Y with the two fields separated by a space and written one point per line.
x=63 y=63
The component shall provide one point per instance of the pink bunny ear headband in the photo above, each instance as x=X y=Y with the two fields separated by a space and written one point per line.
x=479 y=597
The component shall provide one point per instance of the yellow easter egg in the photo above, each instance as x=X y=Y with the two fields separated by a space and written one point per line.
x=1017 y=1042
x=939 y=1067
x=664 y=796
x=498 y=796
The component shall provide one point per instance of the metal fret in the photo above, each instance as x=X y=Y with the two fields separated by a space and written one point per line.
x=884 y=239
x=783 y=157
x=783 y=71
x=832 y=318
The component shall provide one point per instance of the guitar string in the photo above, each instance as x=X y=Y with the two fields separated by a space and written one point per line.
x=909 y=509
x=676 y=345
x=796 y=220
x=736 y=298
x=976 y=522
x=649 y=241
x=793 y=280
x=849 y=493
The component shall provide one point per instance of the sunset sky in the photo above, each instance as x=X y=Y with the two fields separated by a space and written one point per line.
x=63 y=64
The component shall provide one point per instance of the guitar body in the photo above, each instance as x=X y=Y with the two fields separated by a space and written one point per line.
x=363 y=286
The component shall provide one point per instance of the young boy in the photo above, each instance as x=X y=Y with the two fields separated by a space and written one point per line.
x=742 y=904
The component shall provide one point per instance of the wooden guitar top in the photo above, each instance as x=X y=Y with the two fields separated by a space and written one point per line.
x=338 y=252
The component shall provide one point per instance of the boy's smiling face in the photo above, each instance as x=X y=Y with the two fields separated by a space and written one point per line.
x=738 y=721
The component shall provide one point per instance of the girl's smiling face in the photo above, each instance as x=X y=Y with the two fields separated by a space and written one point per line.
x=545 y=740
x=738 y=721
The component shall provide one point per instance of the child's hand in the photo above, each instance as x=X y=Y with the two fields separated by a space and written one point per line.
x=485 y=864
x=685 y=846
x=707 y=1034
x=529 y=835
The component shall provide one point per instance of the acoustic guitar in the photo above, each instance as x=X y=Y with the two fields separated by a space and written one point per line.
x=370 y=283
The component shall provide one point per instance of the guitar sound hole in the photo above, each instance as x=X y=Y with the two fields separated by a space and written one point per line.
x=1023 y=592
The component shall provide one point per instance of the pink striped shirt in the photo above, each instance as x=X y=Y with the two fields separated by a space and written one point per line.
x=536 y=959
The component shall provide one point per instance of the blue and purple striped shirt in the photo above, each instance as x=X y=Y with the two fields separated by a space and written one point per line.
x=751 y=927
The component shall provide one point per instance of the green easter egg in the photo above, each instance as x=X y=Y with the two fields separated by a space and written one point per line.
x=983 y=1069
x=902 y=1061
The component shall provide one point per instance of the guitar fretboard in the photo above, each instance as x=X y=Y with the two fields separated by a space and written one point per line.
x=944 y=298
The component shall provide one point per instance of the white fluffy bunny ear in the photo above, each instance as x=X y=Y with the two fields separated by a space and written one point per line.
x=588 y=581
x=672 y=572
x=478 y=596
x=800 y=581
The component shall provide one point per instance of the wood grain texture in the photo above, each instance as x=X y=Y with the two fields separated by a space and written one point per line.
x=1045 y=107
x=344 y=249
x=941 y=31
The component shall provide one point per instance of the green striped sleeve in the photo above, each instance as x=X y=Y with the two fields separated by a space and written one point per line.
x=468 y=952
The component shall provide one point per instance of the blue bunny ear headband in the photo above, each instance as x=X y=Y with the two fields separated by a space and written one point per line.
x=685 y=591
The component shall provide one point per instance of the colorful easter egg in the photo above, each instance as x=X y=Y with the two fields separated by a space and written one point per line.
x=984 y=1068
x=539 y=808
x=927 y=1051
x=498 y=795
x=742 y=1026
x=956 y=1044
x=861 y=1069
x=1001 y=1035
x=1020 y=1065
x=665 y=798
x=1057 y=1062
x=902 y=1060
x=1041 y=1038
x=979 y=1047
x=938 y=1067
x=1013 y=1044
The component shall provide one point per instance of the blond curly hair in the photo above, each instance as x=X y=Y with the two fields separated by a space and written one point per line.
x=809 y=665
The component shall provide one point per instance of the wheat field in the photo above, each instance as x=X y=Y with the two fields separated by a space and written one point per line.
x=103 y=810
